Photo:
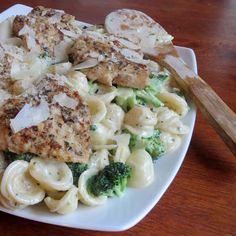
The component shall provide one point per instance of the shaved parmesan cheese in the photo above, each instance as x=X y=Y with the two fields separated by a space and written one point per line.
x=30 y=38
x=27 y=30
x=133 y=56
x=15 y=69
x=31 y=69
x=69 y=33
x=90 y=62
x=55 y=18
x=32 y=45
x=61 y=68
x=29 y=116
x=62 y=49
x=4 y=95
x=63 y=100
x=96 y=55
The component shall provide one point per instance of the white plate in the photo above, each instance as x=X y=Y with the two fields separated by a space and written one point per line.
x=118 y=213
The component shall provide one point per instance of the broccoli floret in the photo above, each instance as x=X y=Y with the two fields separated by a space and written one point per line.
x=77 y=169
x=144 y=96
x=126 y=104
x=153 y=145
x=148 y=95
x=156 y=81
x=126 y=98
x=11 y=156
x=111 y=181
x=93 y=87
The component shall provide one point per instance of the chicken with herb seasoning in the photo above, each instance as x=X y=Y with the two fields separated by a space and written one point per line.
x=51 y=122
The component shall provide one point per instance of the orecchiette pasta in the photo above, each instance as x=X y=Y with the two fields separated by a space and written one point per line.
x=142 y=170
x=169 y=121
x=18 y=185
x=174 y=102
x=140 y=120
x=122 y=150
x=125 y=93
x=10 y=204
x=67 y=204
x=99 y=159
x=171 y=141
x=100 y=136
x=84 y=196
x=106 y=94
x=52 y=175
x=7 y=202
x=97 y=109
x=78 y=81
x=114 y=117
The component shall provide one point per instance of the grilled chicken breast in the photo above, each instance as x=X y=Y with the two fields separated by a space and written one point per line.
x=44 y=28
x=113 y=66
x=63 y=136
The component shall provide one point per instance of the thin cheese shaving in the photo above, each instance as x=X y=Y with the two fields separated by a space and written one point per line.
x=29 y=116
x=89 y=63
x=63 y=100
x=133 y=56
x=69 y=33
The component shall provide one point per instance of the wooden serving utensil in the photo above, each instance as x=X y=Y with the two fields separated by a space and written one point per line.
x=143 y=30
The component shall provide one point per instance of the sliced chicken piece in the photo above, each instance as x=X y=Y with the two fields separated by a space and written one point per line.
x=44 y=28
x=63 y=135
x=114 y=66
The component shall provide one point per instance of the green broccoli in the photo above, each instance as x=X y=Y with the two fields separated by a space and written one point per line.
x=77 y=169
x=153 y=145
x=93 y=87
x=111 y=181
x=156 y=82
x=126 y=98
x=144 y=96
x=148 y=95
x=11 y=156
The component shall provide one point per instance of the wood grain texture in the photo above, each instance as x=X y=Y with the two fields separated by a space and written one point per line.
x=202 y=198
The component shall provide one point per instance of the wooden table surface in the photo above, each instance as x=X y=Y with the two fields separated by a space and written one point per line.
x=202 y=198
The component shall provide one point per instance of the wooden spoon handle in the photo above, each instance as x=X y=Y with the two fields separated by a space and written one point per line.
x=220 y=116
